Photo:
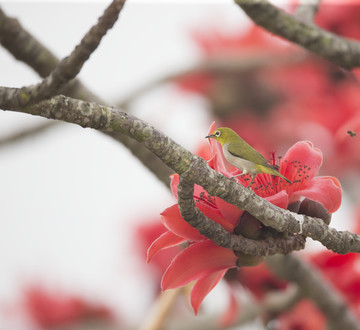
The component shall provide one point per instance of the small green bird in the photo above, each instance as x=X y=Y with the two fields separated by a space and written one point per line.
x=240 y=154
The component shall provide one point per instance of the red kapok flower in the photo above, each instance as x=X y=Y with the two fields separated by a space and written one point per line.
x=50 y=309
x=300 y=165
x=304 y=316
x=260 y=280
x=206 y=263
x=145 y=233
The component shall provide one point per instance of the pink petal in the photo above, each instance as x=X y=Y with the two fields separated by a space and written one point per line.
x=164 y=241
x=199 y=192
x=196 y=261
x=174 y=184
x=203 y=286
x=221 y=165
x=218 y=161
x=212 y=127
x=305 y=153
x=215 y=215
x=323 y=189
x=230 y=212
x=173 y=221
x=281 y=199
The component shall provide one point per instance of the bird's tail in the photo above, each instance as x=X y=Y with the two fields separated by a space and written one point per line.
x=272 y=171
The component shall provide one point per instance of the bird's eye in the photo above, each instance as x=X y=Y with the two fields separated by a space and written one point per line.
x=217 y=133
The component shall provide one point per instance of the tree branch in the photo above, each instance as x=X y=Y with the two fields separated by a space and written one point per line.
x=313 y=285
x=341 y=51
x=219 y=67
x=68 y=68
x=220 y=236
x=193 y=168
x=24 y=47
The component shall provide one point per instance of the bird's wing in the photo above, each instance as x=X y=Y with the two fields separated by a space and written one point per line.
x=237 y=150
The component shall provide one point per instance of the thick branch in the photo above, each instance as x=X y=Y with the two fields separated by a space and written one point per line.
x=220 y=236
x=341 y=51
x=68 y=68
x=193 y=168
x=314 y=286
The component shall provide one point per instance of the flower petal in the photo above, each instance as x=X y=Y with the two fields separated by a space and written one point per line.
x=215 y=215
x=164 y=241
x=303 y=153
x=203 y=286
x=196 y=261
x=230 y=212
x=173 y=221
x=199 y=192
x=281 y=199
x=218 y=161
x=212 y=127
x=323 y=189
x=174 y=183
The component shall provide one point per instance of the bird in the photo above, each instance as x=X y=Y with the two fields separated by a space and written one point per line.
x=243 y=156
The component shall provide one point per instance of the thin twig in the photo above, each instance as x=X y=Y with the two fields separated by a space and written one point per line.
x=193 y=168
x=24 y=47
x=27 y=132
x=219 y=67
x=69 y=67
x=341 y=51
x=156 y=318
x=28 y=49
x=314 y=285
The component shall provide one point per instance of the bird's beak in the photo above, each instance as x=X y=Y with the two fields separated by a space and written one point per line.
x=209 y=136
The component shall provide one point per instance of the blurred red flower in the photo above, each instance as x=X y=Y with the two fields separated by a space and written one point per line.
x=51 y=309
x=304 y=316
x=146 y=233
x=260 y=280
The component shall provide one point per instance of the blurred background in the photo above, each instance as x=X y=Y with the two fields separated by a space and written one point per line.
x=78 y=211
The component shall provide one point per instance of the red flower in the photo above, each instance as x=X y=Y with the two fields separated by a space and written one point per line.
x=146 y=233
x=260 y=280
x=343 y=272
x=57 y=309
x=300 y=165
x=206 y=263
x=340 y=18
x=304 y=316
x=224 y=47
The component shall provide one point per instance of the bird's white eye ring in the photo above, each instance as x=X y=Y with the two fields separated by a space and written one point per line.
x=217 y=133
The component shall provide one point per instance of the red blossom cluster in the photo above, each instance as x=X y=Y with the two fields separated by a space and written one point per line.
x=49 y=309
x=206 y=263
